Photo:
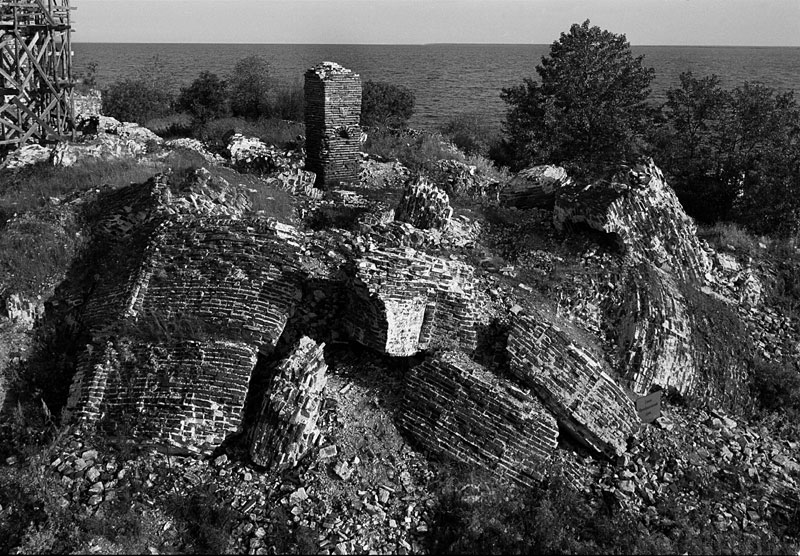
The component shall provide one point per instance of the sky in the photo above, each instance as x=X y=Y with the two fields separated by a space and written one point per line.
x=644 y=22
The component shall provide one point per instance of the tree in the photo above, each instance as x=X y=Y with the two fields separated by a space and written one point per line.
x=590 y=106
x=469 y=132
x=733 y=154
x=205 y=98
x=144 y=95
x=385 y=104
x=250 y=85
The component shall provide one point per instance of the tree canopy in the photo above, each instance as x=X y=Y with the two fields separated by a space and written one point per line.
x=588 y=107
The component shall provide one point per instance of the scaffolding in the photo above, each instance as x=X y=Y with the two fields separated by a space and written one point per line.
x=35 y=72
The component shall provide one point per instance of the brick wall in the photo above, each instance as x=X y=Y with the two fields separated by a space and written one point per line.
x=403 y=301
x=185 y=394
x=574 y=385
x=286 y=427
x=332 y=113
x=454 y=406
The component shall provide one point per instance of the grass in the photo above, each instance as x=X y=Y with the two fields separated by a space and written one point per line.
x=281 y=133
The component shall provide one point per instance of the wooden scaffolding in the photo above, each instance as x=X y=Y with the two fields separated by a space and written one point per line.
x=35 y=72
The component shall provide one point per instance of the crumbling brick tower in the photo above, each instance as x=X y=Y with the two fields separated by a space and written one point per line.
x=333 y=111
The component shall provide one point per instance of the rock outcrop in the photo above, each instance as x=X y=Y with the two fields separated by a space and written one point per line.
x=286 y=428
x=424 y=206
x=576 y=386
x=455 y=407
x=402 y=301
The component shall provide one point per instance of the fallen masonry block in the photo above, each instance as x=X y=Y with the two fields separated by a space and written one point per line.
x=534 y=187
x=456 y=407
x=643 y=212
x=250 y=155
x=574 y=385
x=655 y=333
x=186 y=394
x=424 y=205
x=286 y=428
x=402 y=301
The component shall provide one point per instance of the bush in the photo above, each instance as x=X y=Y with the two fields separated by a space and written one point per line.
x=418 y=152
x=385 y=104
x=205 y=98
x=249 y=85
x=289 y=103
x=144 y=95
x=134 y=100
x=590 y=106
x=470 y=133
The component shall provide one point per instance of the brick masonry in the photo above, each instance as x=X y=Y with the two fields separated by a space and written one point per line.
x=333 y=113
x=424 y=205
x=403 y=301
x=185 y=394
x=454 y=406
x=286 y=428
x=643 y=211
x=576 y=386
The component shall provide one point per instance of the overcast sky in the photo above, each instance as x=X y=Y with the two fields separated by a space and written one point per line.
x=645 y=22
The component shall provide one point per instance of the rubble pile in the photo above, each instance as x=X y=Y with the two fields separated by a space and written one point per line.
x=380 y=174
x=534 y=187
x=297 y=182
x=574 y=385
x=403 y=301
x=424 y=206
x=333 y=113
x=286 y=428
x=459 y=179
x=250 y=155
x=456 y=407
x=197 y=146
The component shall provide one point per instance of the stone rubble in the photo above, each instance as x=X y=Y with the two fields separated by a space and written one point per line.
x=250 y=155
x=194 y=145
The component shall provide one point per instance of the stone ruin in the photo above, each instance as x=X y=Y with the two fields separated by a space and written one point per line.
x=333 y=134
x=424 y=206
x=456 y=407
x=403 y=301
x=286 y=428
x=534 y=187
x=576 y=386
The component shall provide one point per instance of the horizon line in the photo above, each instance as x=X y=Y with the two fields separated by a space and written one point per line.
x=432 y=44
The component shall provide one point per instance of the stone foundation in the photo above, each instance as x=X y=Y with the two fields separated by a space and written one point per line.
x=573 y=384
x=455 y=407
x=287 y=424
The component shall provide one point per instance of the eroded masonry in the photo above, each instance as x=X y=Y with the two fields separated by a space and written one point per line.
x=333 y=113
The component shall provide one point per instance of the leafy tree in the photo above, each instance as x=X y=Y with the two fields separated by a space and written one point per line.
x=589 y=106
x=249 y=86
x=385 y=104
x=733 y=154
x=205 y=98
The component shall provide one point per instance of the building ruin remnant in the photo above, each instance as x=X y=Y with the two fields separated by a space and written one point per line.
x=333 y=112
x=35 y=72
